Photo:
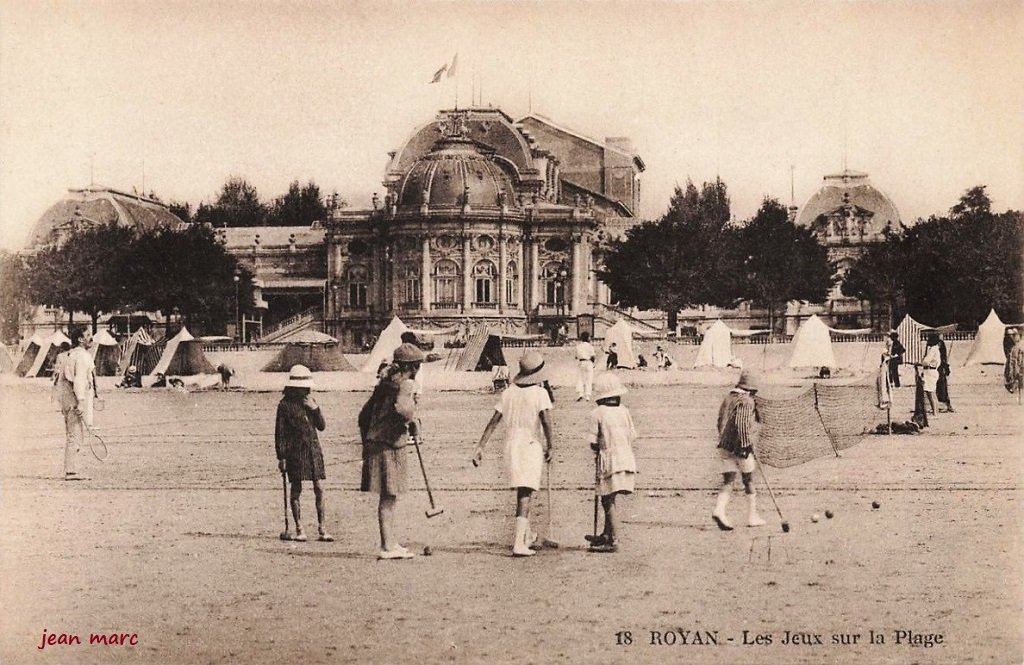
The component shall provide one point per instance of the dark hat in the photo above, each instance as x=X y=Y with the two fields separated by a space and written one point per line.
x=409 y=353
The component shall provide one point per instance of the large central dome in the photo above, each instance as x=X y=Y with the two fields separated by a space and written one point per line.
x=456 y=174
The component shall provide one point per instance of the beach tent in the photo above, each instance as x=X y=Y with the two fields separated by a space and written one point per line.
x=988 y=343
x=48 y=352
x=621 y=334
x=316 y=350
x=28 y=356
x=812 y=345
x=390 y=339
x=910 y=336
x=140 y=350
x=183 y=356
x=106 y=353
x=482 y=352
x=6 y=361
x=716 y=347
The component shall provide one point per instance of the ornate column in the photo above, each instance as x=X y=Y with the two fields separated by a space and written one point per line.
x=467 y=273
x=534 y=284
x=520 y=273
x=577 y=274
x=502 y=270
x=425 y=285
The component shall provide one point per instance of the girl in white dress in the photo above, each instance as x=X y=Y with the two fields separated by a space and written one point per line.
x=524 y=406
x=611 y=437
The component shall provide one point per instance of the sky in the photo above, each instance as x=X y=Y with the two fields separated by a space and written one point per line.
x=175 y=97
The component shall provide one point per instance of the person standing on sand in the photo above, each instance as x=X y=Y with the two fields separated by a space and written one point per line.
x=611 y=438
x=525 y=405
x=385 y=424
x=894 y=351
x=585 y=357
x=76 y=388
x=298 y=446
x=738 y=431
x=930 y=370
x=1014 y=374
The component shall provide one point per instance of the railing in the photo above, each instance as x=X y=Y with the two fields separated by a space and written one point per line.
x=445 y=305
x=626 y=315
x=485 y=305
x=301 y=318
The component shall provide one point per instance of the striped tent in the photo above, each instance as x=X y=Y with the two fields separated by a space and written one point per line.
x=140 y=350
x=912 y=337
x=481 y=353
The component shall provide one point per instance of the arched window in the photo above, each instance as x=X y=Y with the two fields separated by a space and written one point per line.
x=512 y=283
x=484 y=276
x=446 y=283
x=411 y=273
x=358 y=280
x=555 y=276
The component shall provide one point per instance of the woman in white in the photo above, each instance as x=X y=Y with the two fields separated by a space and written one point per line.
x=524 y=406
x=930 y=370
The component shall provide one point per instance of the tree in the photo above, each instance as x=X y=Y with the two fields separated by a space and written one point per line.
x=879 y=274
x=15 y=302
x=301 y=206
x=679 y=261
x=190 y=273
x=238 y=204
x=781 y=261
x=86 y=273
x=181 y=210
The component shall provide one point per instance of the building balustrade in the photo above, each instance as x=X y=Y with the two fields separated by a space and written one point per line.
x=485 y=305
x=446 y=305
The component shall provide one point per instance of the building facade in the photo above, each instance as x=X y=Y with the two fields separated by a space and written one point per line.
x=479 y=224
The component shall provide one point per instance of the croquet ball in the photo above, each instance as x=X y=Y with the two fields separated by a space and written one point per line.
x=815 y=517
x=785 y=527
x=427 y=551
x=829 y=514
x=876 y=505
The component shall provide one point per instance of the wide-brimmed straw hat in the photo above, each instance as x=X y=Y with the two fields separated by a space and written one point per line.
x=608 y=385
x=409 y=353
x=299 y=377
x=748 y=380
x=531 y=369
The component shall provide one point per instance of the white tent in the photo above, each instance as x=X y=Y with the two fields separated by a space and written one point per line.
x=716 y=347
x=622 y=335
x=390 y=339
x=49 y=348
x=812 y=345
x=101 y=338
x=183 y=356
x=988 y=343
x=105 y=353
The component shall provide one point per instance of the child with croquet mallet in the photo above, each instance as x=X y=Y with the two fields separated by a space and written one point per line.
x=524 y=406
x=611 y=436
x=298 y=447
x=738 y=429
x=384 y=426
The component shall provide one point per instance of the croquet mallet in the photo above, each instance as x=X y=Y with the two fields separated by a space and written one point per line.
x=433 y=511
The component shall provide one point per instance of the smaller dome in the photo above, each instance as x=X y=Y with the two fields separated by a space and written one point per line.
x=93 y=206
x=849 y=195
x=456 y=172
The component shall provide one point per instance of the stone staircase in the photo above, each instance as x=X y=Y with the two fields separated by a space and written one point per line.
x=310 y=318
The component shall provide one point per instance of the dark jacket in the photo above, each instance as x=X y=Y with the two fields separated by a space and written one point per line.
x=384 y=419
x=295 y=429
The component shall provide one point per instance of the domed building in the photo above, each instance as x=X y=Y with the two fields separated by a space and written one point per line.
x=98 y=206
x=477 y=224
x=847 y=214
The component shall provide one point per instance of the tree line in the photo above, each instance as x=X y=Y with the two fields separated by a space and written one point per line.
x=111 y=268
x=941 y=270
x=239 y=204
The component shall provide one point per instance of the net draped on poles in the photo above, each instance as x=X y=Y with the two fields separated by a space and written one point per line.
x=818 y=422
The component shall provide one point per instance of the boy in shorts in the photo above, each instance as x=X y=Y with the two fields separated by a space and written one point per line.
x=738 y=429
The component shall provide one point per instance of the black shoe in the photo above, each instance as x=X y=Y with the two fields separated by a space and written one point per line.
x=599 y=539
x=605 y=548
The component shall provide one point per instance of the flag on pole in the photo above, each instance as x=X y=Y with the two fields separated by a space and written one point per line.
x=454 y=65
x=439 y=73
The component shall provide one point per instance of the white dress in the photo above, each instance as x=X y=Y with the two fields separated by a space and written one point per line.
x=612 y=428
x=931 y=361
x=520 y=409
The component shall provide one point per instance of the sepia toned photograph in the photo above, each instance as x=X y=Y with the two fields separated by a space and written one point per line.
x=479 y=331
